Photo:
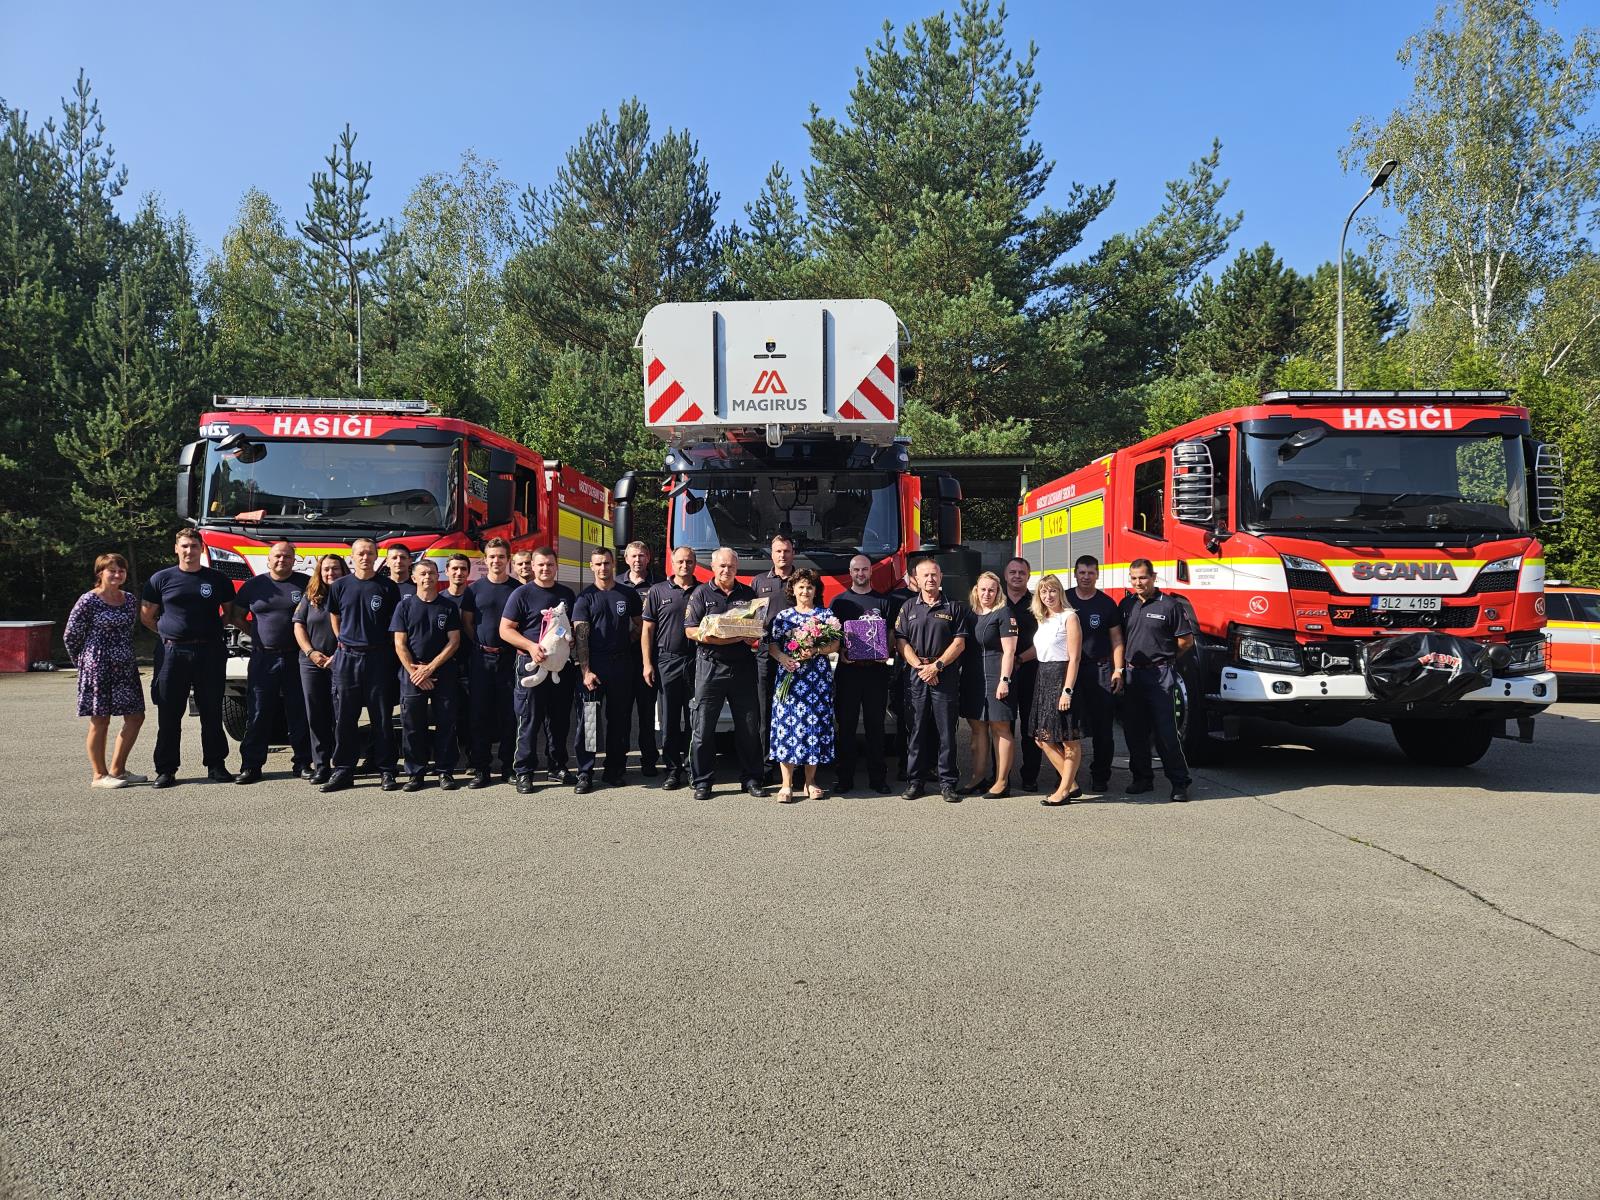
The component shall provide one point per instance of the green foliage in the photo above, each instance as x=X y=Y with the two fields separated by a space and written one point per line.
x=1498 y=170
x=1176 y=400
x=1569 y=416
x=1246 y=322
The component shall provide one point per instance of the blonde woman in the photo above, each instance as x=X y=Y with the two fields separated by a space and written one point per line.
x=1059 y=644
x=986 y=699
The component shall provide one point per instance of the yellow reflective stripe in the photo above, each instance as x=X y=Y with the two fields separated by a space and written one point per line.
x=1030 y=530
x=1572 y=625
x=1091 y=514
x=1055 y=523
x=571 y=524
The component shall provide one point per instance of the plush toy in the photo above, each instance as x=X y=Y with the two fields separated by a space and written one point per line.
x=555 y=635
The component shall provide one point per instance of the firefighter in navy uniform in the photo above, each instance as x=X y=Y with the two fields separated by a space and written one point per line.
x=932 y=632
x=1100 y=674
x=1025 y=668
x=273 y=682
x=861 y=689
x=365 y=675
x=182 y=605
x=548 y=706
x=605 y=628
x=771 y=584
x=458 y=574
x=725 y=669
x=491 y=668
x=669 y=662
x=639 y=578
x=427 y=636
x=898 y=673
x=1158 y=631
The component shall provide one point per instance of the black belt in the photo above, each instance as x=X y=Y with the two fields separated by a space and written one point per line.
x=191 y=641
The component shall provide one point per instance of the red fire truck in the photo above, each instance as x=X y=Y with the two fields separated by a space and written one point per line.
x=321 y=472
x=1346 y=554
x=782 y=416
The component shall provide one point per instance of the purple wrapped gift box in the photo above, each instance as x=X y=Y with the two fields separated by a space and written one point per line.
x=866 y=639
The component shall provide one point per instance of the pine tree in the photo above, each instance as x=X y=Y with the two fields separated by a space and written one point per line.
x=1246 y=321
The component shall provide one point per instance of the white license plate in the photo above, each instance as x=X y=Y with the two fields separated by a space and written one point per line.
x=1407 y=603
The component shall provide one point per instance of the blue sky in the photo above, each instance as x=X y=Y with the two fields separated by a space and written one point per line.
x=205 y=101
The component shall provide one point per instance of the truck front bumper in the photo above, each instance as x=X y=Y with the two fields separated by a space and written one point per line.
x=1241 y=685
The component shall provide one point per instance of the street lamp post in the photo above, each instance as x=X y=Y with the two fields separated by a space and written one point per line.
x=1378 y=181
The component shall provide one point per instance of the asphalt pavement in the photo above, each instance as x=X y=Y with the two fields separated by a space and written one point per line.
x=1332 y=974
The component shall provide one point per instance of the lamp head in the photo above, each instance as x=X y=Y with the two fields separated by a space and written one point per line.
x=1382 y=177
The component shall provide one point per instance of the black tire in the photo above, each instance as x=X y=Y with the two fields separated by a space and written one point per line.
x=1190 y=711
x=233 y=717
x=1443 y=743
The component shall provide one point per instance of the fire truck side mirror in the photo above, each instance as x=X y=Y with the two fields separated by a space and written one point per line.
x=622 y=510
x=949 y=494
x=1548 y=493
x=502 y=486
x=1194 y=499
x=191 y=463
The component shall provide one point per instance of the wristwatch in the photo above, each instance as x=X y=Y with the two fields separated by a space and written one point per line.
x=1005 y=679
x=1066 y=691
x=937 y=665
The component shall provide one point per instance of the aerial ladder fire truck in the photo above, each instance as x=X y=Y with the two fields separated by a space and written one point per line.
x=783 y=417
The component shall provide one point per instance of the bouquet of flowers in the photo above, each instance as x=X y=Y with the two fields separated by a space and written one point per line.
x=816 y=634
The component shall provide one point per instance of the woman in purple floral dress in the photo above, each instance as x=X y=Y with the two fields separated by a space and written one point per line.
x=99 y=637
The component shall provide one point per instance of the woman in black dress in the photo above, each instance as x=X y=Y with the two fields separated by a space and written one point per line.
x=314 y=632
x=1058 y=644
x=986 y=701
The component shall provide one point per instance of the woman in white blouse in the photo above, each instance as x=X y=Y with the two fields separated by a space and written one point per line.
x=1058 y=645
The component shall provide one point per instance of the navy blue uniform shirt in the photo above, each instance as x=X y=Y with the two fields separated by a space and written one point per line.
x=930 y=628
x=364 y=608
x=708 y=598
x=319 y=630
x=664 y=604
x=489 y=599
x=189 y=602
x=610 y=615
x=465 y=604
x=271 y=604
x=1152 y=628
x=1027 y=623
x=1097 y=617
x=527 y=606
x=427 y=625
x=771 y=585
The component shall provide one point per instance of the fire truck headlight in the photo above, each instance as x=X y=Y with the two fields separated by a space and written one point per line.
x=1263 y=652
x=1295 y=563
x=219 y=555
x=1514 y=563
x=1527 y=656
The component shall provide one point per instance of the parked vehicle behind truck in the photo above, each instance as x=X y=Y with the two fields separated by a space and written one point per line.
x=322 y=472
x=1346 y=554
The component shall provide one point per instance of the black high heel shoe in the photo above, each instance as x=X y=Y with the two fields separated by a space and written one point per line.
x=979 y=785
x=1003 y=794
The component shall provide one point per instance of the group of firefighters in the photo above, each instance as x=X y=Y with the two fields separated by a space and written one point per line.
x=479 y=671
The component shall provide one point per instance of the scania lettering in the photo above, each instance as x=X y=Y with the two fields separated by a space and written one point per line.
x=1309 y=532
x=322 y=472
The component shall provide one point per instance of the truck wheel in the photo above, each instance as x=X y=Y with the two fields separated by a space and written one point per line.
x=1443 y=743
x=233 y=718
x=1189 y=709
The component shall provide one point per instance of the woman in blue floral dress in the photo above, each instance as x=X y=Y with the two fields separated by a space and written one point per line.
x=802 y=720
x=99 y=637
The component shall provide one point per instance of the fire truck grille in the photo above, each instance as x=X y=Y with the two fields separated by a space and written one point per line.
x=1309 y=581
x=1499 y=581
x=1460 y=617
x=238 y=572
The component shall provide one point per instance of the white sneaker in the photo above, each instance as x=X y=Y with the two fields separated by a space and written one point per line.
x=109 y=781
x=133 y=777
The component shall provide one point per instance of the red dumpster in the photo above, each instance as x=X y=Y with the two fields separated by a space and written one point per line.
x=23 y=643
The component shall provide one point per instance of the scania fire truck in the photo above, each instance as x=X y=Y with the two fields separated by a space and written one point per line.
x=782 y=417
x=1346 y=554
x=321 y=472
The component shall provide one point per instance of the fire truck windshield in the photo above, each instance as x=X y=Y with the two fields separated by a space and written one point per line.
x=1426 y=483
x=353 y=485
x=856 y=512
